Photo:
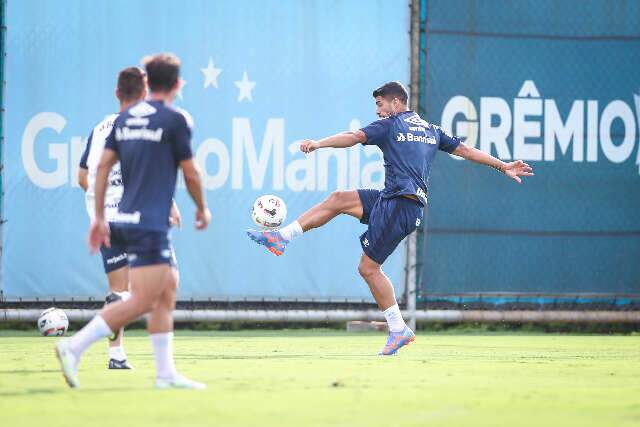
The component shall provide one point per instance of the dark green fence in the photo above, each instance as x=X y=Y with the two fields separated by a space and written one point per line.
x=555 y=84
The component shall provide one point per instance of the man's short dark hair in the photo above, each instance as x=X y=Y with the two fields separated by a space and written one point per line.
x=130 y=84
x=163 y=71
x=392 y=90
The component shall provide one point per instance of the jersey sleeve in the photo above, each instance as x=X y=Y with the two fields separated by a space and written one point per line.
x=110 y=142
x=182 y=139
x=377 y=132
x=446 y=142
x=85 y=154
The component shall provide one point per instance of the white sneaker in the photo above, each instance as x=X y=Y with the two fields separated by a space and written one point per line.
x=68 y=363
x=179 y=382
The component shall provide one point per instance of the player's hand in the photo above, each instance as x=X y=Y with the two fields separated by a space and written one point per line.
x=308 y=146
x=203 y=218
x=175 y=219
x=515 y=170
x=98 y=236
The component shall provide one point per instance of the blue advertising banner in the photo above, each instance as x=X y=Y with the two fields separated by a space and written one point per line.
x=556 y=85
x=259 y=77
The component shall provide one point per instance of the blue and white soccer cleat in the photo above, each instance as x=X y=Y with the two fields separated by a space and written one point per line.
x=179 y=382
x=272 y=240
x=119 y=364
x=68 y=363
x=397 y=340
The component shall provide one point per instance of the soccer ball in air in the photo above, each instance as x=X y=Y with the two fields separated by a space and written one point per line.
x=269 y=211
x=53 y=322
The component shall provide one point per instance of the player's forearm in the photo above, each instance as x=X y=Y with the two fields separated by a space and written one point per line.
x=194 y=186
x=340 y=140
x=83 y=180
x=478 y=156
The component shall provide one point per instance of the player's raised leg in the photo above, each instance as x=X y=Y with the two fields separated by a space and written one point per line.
x=111 y=318
x=339 y=202
x=382 y=290
x=119 y=286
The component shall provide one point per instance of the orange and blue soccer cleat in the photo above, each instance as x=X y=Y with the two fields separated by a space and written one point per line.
x=397 y=340
x=272 y=240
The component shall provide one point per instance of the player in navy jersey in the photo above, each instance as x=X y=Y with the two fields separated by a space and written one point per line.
x=152 y=141
x=408 y=145
x=131 y=89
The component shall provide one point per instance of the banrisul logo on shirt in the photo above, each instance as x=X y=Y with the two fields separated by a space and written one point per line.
x=139 y=113
x=409 y=137
x=419 y=125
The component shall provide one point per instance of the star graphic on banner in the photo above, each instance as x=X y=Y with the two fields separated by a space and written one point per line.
x=183 y=83
x=245 y=86
x=211 y=74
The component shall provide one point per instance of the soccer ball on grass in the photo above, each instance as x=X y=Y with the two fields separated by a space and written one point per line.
x=53 y=322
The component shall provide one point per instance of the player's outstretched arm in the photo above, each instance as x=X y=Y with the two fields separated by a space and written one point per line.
x=194 y=186
x=340 y=140
x=513 y=170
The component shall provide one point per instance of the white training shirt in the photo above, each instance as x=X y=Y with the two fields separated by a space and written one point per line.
x=90 y=161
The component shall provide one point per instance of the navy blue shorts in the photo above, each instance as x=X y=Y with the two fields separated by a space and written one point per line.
x=390 y=221
x=113 y=258
x=144 y=247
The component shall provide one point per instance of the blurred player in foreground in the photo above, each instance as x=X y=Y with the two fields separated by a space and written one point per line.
x=408 y=145
x=152 y=141
x=131 y=89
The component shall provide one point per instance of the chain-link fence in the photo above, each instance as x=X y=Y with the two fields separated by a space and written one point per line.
x=556 y=85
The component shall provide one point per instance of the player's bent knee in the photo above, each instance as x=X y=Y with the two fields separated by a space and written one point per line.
x=367 y=269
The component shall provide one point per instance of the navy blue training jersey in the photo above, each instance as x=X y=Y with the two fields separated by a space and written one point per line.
x=151 y=139
x=408 y=146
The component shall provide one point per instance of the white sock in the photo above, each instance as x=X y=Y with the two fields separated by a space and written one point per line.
x=394 y=318
x=291 y=231
x=162 y=344
x=117 y=353
x=96 y=329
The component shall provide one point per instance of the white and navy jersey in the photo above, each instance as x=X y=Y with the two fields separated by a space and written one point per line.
x=150 y=139
x=90 y=160
x=408 y=146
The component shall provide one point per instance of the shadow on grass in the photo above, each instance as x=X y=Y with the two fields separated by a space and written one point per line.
x=313 y=356
x=27 y=371
x=29 y=392
x=64 y=389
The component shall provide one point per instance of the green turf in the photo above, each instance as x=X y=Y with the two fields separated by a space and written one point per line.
x=304 y=378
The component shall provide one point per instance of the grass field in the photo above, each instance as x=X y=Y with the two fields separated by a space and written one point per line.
x=303 y=378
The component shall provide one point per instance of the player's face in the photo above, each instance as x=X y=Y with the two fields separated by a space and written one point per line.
x=386 y=107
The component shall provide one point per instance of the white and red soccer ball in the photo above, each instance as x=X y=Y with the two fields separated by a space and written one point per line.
x=53 y=322
x=269 y=211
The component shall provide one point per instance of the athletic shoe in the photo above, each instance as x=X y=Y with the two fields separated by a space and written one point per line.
x=272 y=240
x=179 y=382
x=119 y=364
x=397 y=340
x=68 y=363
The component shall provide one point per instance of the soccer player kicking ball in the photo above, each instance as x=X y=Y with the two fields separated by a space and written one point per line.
x=408 y=145
x=151 y=140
